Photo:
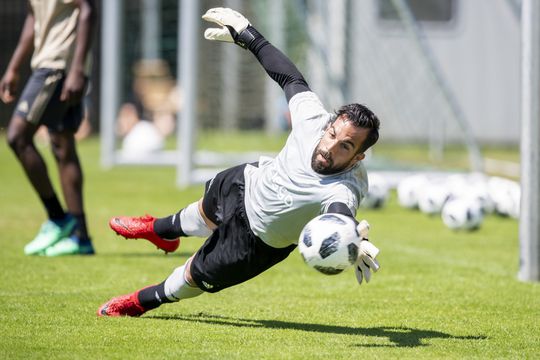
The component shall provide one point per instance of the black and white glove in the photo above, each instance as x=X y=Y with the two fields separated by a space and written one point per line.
x=366 y=262
x=233 y=26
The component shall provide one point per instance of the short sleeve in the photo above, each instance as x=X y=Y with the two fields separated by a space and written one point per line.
x=344 y=194
x=305 y=106
x=350 y=190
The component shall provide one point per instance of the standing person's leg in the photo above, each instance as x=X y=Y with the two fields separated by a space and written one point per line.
x=23 y=125
x=20 y=136
x=63 y=145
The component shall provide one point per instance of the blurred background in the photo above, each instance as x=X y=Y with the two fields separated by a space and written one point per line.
x=443 y=76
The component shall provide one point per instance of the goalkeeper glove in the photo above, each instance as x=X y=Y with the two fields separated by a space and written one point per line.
x=234 y=27
x=367 y=253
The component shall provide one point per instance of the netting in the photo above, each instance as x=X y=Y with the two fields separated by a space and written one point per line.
x=397 y=79
x=370 y=52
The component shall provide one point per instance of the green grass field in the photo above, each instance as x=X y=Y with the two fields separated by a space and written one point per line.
x=439 y=294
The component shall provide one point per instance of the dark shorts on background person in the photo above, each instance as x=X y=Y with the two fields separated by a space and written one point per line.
x=233 y=253
x=40 y=102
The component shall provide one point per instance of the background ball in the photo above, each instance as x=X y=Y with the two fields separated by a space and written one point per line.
x=408 y=190
x=462 y=214
x=433 y=197
x=377 y=192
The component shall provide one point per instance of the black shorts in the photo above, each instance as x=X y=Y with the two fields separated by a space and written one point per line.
x=233 y=253
x=40 y=102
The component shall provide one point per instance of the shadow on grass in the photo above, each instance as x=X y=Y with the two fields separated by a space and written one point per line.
x=398 y=336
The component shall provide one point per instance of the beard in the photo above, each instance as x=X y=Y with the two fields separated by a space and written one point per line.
x=320 y=167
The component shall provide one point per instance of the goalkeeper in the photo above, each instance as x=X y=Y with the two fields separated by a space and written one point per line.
x=252 y=214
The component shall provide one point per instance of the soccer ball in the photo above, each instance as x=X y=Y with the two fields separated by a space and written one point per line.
x=377 y=192
x=479 y=192
x=329 y=243
x=409 y=188
x=506 y=195
x=472 y=186
x=432 y=198
x=462 y=214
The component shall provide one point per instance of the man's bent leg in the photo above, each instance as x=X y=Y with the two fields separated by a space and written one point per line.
x=175 y=288
x=163 y=232
x=142 y=227
x=172 y=289
x=189 y=221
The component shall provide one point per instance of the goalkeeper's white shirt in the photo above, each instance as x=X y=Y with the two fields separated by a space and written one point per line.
x=283 y=193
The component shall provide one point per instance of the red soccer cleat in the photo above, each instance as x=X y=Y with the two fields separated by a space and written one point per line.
x=125 y=305
x=142 y=228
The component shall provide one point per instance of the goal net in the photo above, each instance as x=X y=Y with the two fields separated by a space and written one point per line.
x=371 y=52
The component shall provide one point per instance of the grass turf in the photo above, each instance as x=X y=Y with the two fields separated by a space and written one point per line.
x=439 y=294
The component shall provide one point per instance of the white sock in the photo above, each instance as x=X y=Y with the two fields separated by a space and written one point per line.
x=177 y=288
x=192 y=222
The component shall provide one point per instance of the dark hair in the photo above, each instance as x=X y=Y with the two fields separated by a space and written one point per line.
x=364 y=118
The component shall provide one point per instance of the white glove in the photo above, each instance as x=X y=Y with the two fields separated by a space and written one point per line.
x=232 y=24
x=367 y=253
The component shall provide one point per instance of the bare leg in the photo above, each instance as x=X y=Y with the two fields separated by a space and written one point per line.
x=69 y=168
x=71 y=176
x=20 y=139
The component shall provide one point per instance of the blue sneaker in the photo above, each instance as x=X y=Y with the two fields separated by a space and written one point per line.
x=70 y=246
x=49 y=234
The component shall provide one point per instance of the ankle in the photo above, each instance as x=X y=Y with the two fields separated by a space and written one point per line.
x=152 y=297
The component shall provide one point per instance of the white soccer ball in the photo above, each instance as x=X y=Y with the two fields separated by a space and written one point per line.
x=473 y=186
x=462 y=214
x=377 y=192
x=408 y=190
x=329 y=243
x=506 y=195
x=433 y=197
x=479 y=192
x=457 y=184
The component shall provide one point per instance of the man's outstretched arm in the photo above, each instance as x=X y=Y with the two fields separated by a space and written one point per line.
x=236 y=28
x=276 y=64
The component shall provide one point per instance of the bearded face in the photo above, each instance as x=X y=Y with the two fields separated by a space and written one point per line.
x=338 y=148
